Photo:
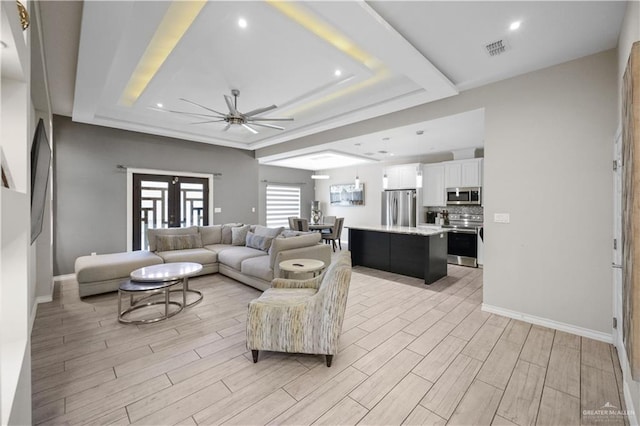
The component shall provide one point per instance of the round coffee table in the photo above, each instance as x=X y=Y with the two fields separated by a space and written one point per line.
x=312 y=266
x=171 y=272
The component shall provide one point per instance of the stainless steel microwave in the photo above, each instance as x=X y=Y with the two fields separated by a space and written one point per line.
x=464 y=196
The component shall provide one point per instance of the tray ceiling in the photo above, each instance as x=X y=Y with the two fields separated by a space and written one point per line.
x=324 y=63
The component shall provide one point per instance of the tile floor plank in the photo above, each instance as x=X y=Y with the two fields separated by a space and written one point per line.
x=314 y=405
x=478 y=406
x=558 y=409
x=446 y=393
x=420 y=416
x=537 y=347
x=396 y=406
x=373 y=389
x=521 y=399
x=434 y=364
x=345 y=413
x=564 y=370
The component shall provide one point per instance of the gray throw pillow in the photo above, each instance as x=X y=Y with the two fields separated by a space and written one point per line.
x=259 y=242
x=239 y=235
x=226 y=232
x=178 y=242
x=267 y=232
x=211 y=234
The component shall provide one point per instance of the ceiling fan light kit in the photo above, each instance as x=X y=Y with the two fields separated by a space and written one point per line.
x=235 y=117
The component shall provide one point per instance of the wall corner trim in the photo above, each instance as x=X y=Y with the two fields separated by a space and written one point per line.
x=556 y=325
x=34 y=309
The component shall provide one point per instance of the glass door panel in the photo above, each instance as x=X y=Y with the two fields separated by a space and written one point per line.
x=161 y=201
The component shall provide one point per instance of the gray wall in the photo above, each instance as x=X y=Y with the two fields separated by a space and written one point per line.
x=90 y=192
x=301 y=178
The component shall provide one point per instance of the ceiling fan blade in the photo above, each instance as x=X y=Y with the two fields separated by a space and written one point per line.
x=226 y=127
x=202 y=106
x=229 y=101
x=208 y=121
x=260 y=110
x=270 y=119
x=271 y=126
x=195 y=114
x=251 y=129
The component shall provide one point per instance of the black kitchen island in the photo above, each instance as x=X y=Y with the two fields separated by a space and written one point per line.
x=415 y=252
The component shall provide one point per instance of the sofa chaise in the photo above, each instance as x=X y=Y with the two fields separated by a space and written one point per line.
x=247 y=253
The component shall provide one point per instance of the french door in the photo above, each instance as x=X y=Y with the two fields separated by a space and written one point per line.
x=161 y=201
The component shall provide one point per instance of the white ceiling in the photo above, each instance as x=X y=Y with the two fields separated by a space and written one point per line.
x=459 y=132
x=399 y=54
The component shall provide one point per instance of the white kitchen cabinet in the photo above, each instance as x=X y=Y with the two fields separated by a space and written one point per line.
x=401 y=176
x=433 y=187
x=463 y=173
x=452 y=174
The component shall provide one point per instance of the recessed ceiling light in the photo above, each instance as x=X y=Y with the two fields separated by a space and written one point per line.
x=357 y=144
x=242 y=23
x=337 y=73
x=159 y=105
x=391 y=154
x=385 y=139
x=515 y=25
x=419 y=132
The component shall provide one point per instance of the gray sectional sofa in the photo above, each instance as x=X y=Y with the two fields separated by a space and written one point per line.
x=247 y=253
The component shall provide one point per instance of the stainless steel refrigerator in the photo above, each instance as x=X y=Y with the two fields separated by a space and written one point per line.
x=399 y=207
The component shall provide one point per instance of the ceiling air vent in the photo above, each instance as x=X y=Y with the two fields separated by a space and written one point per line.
x=497 y=47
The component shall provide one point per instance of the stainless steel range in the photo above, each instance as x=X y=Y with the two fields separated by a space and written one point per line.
x=464 y=230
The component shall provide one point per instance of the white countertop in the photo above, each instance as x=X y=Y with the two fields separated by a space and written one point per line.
x=419 y=230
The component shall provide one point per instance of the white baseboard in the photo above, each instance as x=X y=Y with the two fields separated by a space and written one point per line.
x=65 y=277
x=556 y=325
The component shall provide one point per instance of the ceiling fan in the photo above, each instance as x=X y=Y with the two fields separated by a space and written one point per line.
x=246 y=120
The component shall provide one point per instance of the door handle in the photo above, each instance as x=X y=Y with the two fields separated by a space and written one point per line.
x=616 y=265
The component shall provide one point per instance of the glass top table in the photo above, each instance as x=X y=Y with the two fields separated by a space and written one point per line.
x=170 y=272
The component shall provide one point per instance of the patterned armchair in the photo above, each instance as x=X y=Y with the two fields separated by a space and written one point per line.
x=301 y=316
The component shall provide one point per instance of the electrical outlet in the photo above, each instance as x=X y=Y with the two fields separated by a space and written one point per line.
x=253 y=209
x=217 y=210
x=501 y=218
x=93 y=253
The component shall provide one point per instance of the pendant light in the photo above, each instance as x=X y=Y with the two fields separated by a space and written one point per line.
x=357 y=182
x=418 y=177
x=385 y=181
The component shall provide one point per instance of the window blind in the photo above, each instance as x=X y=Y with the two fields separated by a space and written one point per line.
x=282 y=202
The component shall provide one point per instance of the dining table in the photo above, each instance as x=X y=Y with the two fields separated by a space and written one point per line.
x=320 y=226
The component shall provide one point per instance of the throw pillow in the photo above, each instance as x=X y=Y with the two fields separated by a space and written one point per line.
x=211 y=234
x=226 y=232
x=178 y=242
x=268 y=232
x=239 y=235
x=259 y=242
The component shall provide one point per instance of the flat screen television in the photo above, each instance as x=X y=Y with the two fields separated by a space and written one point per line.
x=40 y=164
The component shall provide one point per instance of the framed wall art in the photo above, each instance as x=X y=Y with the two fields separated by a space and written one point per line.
x=346 y=195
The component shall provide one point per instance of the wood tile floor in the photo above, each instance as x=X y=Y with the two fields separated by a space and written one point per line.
x=409 y=354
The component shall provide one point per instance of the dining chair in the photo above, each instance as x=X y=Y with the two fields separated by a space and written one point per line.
x=302 y=225
x=335 y=233
x=328 y=220
x=292 y=223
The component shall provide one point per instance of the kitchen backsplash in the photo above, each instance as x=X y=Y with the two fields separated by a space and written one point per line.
x=455 y=209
